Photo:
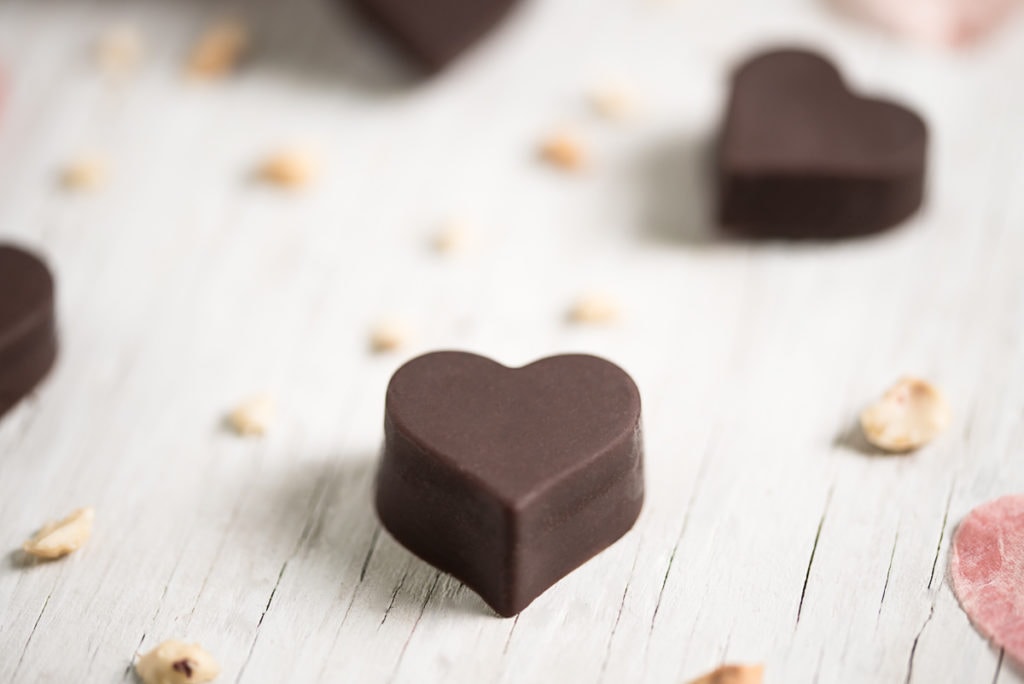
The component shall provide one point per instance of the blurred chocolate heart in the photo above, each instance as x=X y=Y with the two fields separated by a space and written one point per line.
x=801 y=156
x=435 y=33
x=28 y=335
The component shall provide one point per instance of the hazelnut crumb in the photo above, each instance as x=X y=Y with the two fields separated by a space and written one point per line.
x=88 y=172
x=614 y=102
x=175 y=662
x=388 y=336
x=565 y=150
x=219 y=50
x=58 y=539
x=908 y=416
x=119 y=50
x=733 y=674
x=289 y=168
x=454 y=236
x=252 y=418
x=594 y=308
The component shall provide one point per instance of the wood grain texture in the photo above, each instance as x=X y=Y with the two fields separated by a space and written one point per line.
x=769 y=534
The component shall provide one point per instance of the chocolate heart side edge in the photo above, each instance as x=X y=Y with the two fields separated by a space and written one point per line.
x=508 y=551
x=435 y=36
x=824 y=203
x=28 y=329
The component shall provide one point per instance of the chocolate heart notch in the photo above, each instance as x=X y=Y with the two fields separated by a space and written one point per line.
x=435 y=33
x=28 y=334
x=510 y=478
x=801 y=156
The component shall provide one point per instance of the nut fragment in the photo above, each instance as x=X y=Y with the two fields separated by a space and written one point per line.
x=454 y=236
x=57 y=539
x=594 y=308
x=613 y=101
x=87 y=172
x=388 y=336
x=565 y=150
x=253 y=416
x=119 y=50
x=289 y=168
x=908 y=416
x=175 y=662
x=733 y=674
x=219 y=50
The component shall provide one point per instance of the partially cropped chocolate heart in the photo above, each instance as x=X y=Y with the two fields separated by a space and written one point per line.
x=801 y=156
x=435 y=33
x=28 y=334
x=510 y=478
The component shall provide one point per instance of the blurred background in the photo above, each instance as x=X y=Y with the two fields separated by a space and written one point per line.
x=282 y=225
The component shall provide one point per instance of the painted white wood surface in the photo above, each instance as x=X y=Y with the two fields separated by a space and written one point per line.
x=768 y=533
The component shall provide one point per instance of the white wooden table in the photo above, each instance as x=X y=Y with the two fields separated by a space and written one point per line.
x=768 y=535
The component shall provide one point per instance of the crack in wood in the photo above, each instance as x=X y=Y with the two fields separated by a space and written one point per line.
x=508 y=640
x=942 y=533
x=35 y=625
x=999 y=666
x=369 y=555
x=256 y=636
x=394 y=595
x=352 y=598
x=814 y=550
x=888 y=572
x=913 y=647
x=701 y=471
x=618 y=616
x=423 y=608
x=311 y=516
x=216 y=557
x=131 y=661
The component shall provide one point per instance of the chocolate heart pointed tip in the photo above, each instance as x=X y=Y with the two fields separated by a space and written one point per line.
x=802 y=156
x=28 y=336
x=510 y=478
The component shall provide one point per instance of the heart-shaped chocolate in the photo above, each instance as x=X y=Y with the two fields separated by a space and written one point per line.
x=510 y=478
x=801 y=156
x=435 y=33
x=987 y=572
x=28 y=334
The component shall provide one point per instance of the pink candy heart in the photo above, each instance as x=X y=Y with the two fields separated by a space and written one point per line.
x=953 y=23
x=987 y=571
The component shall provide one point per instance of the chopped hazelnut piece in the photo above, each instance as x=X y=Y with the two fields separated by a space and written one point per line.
x=219 y=50
x=58 y=539
x=733 y=674
x=253 y=417
x=88 y=172
x=594 y=308
x=613 y=102
x=388 y=336
x=454 y=236
x=907 y=417
x=565 y=150
x=289 y=168
x=175 y=662
x=119 y=50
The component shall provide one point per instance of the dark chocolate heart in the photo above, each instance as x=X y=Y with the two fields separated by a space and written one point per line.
x=510 y=478
x=801 y=156
x=435 y=33
x=28 y=334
